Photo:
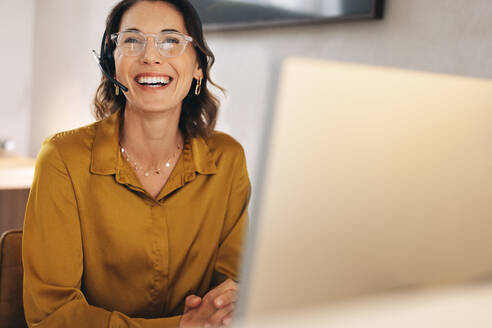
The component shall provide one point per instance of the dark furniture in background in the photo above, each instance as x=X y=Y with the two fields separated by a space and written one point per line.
x=12 y=208
x=11 y=308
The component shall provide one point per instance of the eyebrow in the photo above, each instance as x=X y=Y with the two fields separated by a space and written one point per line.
x=163 y=30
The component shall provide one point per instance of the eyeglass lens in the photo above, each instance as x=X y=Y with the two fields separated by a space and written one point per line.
x=168 y=44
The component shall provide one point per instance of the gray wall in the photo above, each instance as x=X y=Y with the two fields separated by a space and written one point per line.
x=16 y=24
x=449 y=36
x=65 y=75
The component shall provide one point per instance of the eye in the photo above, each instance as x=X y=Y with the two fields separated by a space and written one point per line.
x=171 y=40
x=131 y=40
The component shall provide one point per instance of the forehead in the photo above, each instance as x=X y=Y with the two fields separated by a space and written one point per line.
x=152 y=17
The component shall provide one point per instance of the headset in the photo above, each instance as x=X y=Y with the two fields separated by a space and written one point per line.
x=105 y=58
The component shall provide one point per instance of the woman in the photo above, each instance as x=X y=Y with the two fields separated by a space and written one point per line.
x=137 y=220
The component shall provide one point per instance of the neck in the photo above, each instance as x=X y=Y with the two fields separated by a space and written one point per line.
x=150 y=137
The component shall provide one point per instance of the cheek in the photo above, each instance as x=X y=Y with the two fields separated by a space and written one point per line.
x=121 y=65
x=187 y=70
x=186 y=82
x=188 y=76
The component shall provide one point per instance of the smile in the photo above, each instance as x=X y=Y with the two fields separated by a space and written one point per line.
x=153 y=81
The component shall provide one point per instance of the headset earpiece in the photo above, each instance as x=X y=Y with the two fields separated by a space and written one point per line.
x=106 y=62
x=106 y=58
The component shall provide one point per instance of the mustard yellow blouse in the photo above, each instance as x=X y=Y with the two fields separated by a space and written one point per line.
x=99 y=251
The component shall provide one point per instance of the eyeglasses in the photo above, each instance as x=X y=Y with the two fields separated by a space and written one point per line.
x=133 y=43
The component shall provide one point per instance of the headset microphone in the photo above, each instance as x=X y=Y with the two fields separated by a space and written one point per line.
x=112 y=79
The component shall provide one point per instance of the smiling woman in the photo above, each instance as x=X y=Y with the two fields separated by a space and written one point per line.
x=137 y=220
x=200 y=109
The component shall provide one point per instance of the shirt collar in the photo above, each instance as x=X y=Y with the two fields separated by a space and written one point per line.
x=106 y=150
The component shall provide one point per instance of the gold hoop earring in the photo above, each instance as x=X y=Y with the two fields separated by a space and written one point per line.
x=198 y=87
x=116 y=90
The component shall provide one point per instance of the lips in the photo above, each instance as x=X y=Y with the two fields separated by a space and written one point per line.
x=153 y=80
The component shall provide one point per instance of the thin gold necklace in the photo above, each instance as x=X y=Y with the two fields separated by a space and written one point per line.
x=150 y=172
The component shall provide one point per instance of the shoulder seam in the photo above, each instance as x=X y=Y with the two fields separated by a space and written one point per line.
x=73 y=131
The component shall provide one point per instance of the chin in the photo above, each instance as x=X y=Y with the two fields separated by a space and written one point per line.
x=156 y=107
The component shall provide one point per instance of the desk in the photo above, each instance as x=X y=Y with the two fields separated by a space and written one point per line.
x=460 y=306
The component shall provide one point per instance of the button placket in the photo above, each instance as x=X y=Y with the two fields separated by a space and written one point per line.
x=160 y=256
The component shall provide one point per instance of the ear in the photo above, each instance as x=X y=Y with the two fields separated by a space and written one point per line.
x=197 y=73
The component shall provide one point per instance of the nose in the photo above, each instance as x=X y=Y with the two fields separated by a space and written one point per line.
x=151 y=54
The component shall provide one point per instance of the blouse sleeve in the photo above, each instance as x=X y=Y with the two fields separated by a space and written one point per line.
x=235 y=226
x=53 y=257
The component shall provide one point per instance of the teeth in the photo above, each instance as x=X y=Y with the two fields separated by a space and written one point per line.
x=153 y=80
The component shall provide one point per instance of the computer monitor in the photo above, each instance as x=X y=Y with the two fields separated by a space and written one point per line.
x=377 y=179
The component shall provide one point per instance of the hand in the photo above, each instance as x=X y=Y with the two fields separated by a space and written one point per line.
x=215 y=309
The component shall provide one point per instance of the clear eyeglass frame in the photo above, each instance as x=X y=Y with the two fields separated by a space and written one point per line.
x=169 y=43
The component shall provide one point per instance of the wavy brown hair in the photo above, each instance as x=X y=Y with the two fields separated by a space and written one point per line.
x=199 y=113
